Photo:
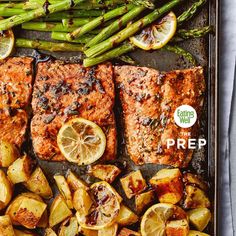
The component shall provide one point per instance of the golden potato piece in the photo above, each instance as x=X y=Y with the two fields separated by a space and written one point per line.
x=126 y=216
x=168 y=185
x=20 y=170
x=64 y=189
x=74 y=182
x=177 y=228
x=59 y=211
x=24 y=233
x=37 y=183
x=88 y=232
x=195 y=198
x=197 y=233
x=30 y=212
x=143 y=200
x=6 y=190
x=69 y=227
x=49 y=232
x=8 y=154
x=82 y=202
x=110 y=231
x=6 y=228
x=199 y=218
x=128 y=232
x=107 y=173
x=192 y=179
x=133 y=183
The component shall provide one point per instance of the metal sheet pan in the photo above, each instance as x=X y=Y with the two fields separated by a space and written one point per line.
x=206 y=52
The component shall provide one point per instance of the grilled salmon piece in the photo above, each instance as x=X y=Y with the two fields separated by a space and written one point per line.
x=149 y=99
x=65 y=91
x=13 y=126
x=16 y=75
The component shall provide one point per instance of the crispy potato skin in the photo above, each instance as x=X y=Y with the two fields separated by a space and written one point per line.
x=143 y=200
x=149 y=99
x=8 y=153
x=168 y=185
x=74 y=182
x=177 y=228
x=133 y=183
x=128 y=232
x=126 y=216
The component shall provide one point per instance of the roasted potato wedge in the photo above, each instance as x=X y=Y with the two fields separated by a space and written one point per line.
x=30 y=212
x=107 y=173
x=192 y=179
x=82 y=201
x=64 y=189
x=110 y=231
x=24 y=233
x=88 y=232
x=8 y=154
x=37 y=183
x=168 y=185
x=126 y=216
x=69 y=227
x=49 y=232
x=74 y=182
x=195 y=198
x=20 y=170
x=128 y=232
x=197 y=233
x=199 y=218
x=59 y=211
x=6 y=228
x=133 y=184
x=15 y=204
x=6 y=190
x=143 y=200
x=177 y=227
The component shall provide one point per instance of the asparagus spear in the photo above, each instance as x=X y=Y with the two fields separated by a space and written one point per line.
x=115 y=26
x=192 y=33
x=99 y=20
x=52 y=26
x=7 y=12
x=75 y=22
x=47 y=46
x=13 y=5
x=188 y=14
x=34 y=14
x=46 y=27
x=130 y=30
x=62 y=36
x=125 y=48
x=180 y=51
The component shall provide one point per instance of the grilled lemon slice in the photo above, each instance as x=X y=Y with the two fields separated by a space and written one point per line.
x=81 y=141
x=164 y=219
x=7 y=41
x=105 y=209
x=157 y=35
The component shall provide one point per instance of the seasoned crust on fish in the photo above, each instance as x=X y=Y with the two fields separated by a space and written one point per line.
x=149 y=99
x=65 y=91
x=16 y=75
x=13 y=126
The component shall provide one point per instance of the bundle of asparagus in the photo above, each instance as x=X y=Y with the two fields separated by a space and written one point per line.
x=100 y=29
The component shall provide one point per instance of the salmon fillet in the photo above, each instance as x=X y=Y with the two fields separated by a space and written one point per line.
x=13 y=126
x=65 y=91
x=16 y=77
x=149 y=99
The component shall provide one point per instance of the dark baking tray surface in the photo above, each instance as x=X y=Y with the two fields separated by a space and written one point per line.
x=206 y=52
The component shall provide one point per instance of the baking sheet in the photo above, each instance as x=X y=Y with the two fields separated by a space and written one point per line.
x=205 y=161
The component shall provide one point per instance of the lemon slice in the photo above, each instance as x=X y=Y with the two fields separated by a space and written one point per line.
x=156 y=218
x=81 y=141
x=104 y=210
x=7 y=41
x=157 y=35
